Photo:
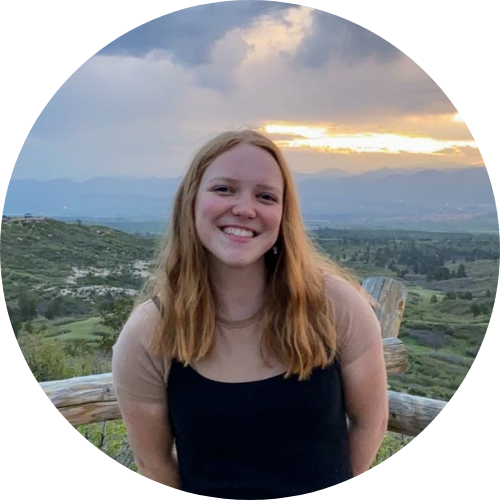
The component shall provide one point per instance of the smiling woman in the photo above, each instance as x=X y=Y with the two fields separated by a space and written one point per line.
x=241 y=184
x=248 y=348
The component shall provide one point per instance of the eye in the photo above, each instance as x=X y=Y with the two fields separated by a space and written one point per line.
x=268 y=197
x=220 y=187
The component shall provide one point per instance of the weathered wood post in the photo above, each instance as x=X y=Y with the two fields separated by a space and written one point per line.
x=390 y=295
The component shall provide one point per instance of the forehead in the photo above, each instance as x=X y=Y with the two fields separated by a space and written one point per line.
x=246 y=163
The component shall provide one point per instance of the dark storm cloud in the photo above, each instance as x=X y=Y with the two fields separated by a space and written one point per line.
x=334 y=37
x=189 y=35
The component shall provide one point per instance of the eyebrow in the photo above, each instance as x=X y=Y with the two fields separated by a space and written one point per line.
x=235 y=181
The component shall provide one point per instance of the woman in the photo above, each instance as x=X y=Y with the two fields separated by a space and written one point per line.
x=252 y=348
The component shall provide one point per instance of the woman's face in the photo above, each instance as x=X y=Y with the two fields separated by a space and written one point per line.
x=239 y=205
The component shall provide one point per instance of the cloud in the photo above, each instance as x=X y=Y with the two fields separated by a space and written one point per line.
x=351 y=96
x=227 y=55
x=149 y=99
x=189 y=35
x=332 y=37
x=106 y=92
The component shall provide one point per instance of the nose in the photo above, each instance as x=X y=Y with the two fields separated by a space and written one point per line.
x=244 y=207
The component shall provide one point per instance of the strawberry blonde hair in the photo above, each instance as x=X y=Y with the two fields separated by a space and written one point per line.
x=298 y=324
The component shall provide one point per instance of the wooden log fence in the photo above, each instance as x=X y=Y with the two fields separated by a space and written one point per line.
x=91 y=399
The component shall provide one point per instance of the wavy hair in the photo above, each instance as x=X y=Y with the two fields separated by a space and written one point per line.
x=298 y=324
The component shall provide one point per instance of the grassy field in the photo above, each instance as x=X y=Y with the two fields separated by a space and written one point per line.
x=81 y=330
x=68 y=330
x=442 y=334
x=443 y=337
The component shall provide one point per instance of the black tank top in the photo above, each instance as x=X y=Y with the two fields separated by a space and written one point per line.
x=270 y=438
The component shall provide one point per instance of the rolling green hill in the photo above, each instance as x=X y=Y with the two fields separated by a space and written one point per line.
x=61 y=280
x=60 y=277
x=44 y=252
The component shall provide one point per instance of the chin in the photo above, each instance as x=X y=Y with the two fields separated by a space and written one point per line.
x=238 y=263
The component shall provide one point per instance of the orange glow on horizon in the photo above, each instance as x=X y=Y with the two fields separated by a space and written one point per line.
x=323 y=140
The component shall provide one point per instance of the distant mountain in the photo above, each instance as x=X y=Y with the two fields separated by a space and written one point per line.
x=422 y=192
x=329 y=173
x=332 y=192
x=381 y=173
x=97 y=197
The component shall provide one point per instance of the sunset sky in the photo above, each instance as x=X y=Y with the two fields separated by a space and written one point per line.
x=331 y=93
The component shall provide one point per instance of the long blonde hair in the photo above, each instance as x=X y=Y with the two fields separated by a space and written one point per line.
x=298 y=325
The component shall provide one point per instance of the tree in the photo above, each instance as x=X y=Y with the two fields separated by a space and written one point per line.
x=45 y=357
x=434 y=299
x=437 y=340
x=442 y=273
x=461 y=271
x=485 y=309
x=27 y=308
x=475 y=310
x=54 y=308
x=114 y=317
x=15 y=319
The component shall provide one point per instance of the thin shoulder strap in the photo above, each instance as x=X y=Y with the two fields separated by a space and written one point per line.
x=158 y=304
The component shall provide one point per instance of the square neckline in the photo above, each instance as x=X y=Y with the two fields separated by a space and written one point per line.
x=222 y=382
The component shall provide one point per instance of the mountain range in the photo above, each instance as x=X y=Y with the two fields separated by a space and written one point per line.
x=326 y=194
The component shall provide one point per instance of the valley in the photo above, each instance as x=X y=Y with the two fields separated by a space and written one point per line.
x=70 y=287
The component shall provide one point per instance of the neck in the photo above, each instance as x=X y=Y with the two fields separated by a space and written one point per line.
x=239 y=292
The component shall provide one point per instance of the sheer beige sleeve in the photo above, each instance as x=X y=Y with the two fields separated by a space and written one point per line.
x=358 y=328
x=138 y=374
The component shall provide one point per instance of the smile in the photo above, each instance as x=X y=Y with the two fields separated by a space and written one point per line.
x=238 y=234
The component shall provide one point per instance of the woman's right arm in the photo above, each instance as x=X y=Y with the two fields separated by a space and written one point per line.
x=139 y=379
x=151 y=439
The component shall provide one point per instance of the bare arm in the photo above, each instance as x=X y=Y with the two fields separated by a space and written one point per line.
x=139 y=379
x=151 y=439
x=365 y=390
x=364 y=378
x=166 y=474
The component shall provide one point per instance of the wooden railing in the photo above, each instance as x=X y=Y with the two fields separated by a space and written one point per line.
x=92 y=399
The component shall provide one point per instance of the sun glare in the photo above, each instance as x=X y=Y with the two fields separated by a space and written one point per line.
x=457 y=118
x=297 y=130
x=320 y=139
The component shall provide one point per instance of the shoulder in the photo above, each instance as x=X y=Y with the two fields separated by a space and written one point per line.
x=356 y=323
x=138 y=372
x=344 y=294
x=149 y=307
x=148 y=311
x=141 y=325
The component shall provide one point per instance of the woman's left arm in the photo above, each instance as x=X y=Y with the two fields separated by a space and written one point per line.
x=365 y=391
x=364 y=378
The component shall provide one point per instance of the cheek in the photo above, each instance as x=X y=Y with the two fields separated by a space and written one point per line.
x=274 y=220
x=207 y=210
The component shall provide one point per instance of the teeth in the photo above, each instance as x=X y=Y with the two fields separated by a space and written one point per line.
x=236 y=231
